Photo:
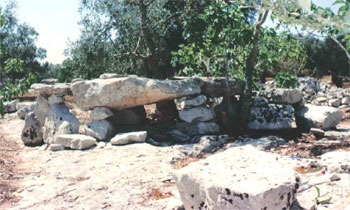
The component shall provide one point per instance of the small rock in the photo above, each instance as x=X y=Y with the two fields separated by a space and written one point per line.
x=194 y=102
x=335 y=178
x=334 y=102
x=100 y=113
x=56 y=147
x=101 y=129
x=75 y=141
x=317 y=132
x=345 y=101
x=128 y=138
x=196 y=114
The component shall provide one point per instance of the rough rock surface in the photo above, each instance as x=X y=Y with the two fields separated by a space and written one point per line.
x=217 y=87
x=282 y=95
x=109 y=76
x=59 y=121
x=193 y=102
x=24 y=110
x=101 y=130
x=338 y=161
x=41 y=109
x=32 y=133
x=204 y=144
x=200 y=128
x=75 y=141
x=100 y=113
x=322 y=117
x=178 y=136
x=273 y=117
x=197 y=114
x=238 y=178
x=126 y=92
x=55 y=99
x=21 y=105
x=129 y=138
x=47 y=90
x=10 y=106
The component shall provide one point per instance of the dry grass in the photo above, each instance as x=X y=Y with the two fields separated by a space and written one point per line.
x=155 y=194
x=182 y=163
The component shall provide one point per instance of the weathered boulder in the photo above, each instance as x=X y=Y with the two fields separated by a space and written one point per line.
x=55 y=99
x=24 y=108
x=273 y=117
x=47 y=90
x=75 y=141
x=238 y=178
x=282 y=95
x=24 y=111
x=59 y=121
x=127 y=92
x=101 y=129
x=129 y=138
x=219 y=86
x=323 y=117
x=131 y=116
x=21 y=105
x=41 y=109
x=10 y=106
x=193 y=102
x=32 y=133
x=334 y=102
x=200 y=128
x=197 y=114
x=100 y=113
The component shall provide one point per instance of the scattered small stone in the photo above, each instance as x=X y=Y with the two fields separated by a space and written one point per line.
x=317 y=132
x=56 y=147
x=335 y=178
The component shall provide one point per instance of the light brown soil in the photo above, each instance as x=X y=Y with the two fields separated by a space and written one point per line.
x=9 y=174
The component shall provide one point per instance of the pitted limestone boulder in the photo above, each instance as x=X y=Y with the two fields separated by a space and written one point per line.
x=127 y=92
x=32 y=133
x=75 y=141
x=49 y=89
x=272 y=117
x=238 y=178
x=197 y=114
x=59 y=121
x=323 y=117
x=282 y=95
x=101 y=130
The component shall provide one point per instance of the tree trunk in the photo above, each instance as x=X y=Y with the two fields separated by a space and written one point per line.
x=245 y=101
x=151 y=58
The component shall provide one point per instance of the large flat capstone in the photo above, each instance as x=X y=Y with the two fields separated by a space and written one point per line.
x=127 y=92
x=238 y=178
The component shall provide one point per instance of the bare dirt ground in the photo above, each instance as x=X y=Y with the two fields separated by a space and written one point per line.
x=135 y=176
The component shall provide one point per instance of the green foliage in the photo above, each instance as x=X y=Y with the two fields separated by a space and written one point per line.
x=111 y=33
x=317 y=199
x=20 y=56
x=286 y=80
x=221 y=34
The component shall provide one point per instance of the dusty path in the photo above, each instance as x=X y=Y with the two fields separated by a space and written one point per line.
x=129 y=177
